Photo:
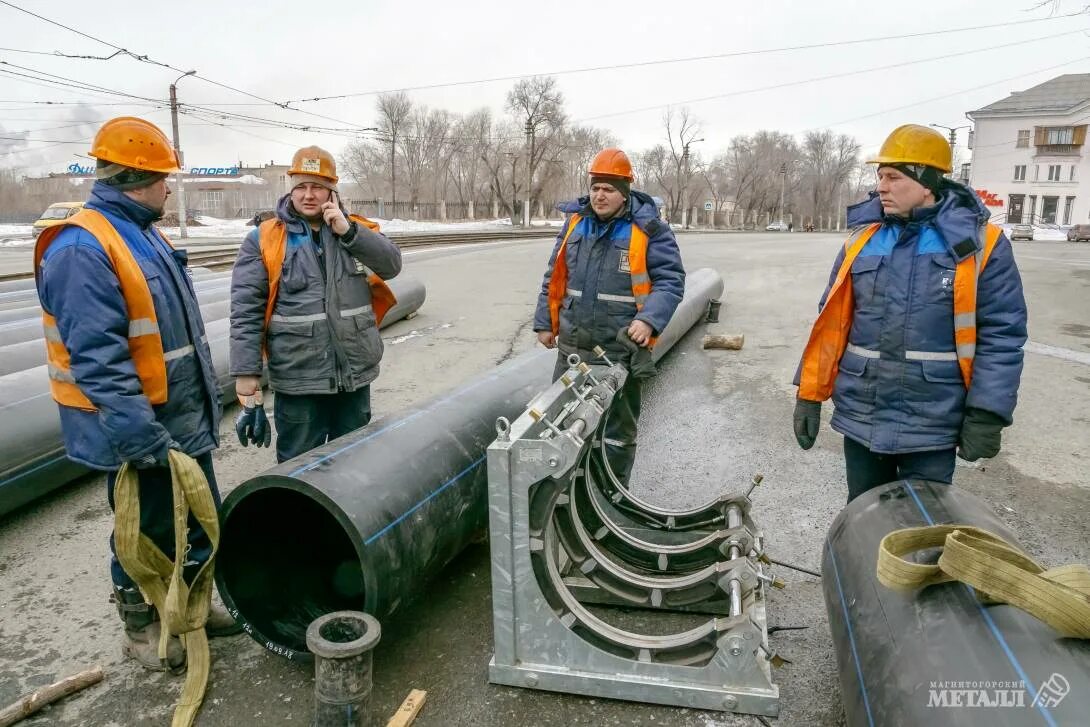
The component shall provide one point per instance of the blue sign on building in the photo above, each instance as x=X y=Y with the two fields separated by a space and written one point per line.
x=89 y=171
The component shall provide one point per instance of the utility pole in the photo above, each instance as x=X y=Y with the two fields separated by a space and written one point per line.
x=952 y=137
x=393 y=175
x=180 y=176
x=685 y=182
x=783 y=183
x=529 y=173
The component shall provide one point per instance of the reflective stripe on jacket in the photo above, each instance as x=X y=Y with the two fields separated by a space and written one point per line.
x=86 y=293
x=890 y=344
x=829 y=335
x=636 y=262
x=602 y=275
x=145 y=345
x=307 y=302
x=273 y=236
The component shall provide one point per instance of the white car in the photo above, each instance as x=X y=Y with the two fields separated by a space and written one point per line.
x=777 y=227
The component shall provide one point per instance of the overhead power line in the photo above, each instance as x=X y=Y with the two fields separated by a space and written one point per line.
x=143 y=58
x=816 y=79
x=691 y=59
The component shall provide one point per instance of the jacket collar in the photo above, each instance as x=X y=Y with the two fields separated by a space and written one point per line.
x=640 y=208
x=109 y=200
x=958 y=217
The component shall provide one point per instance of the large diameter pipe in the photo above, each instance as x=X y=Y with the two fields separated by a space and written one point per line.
x=383 y=508
x=32 y=459
x=938 y=656
x=30 y=353
x=29 y=327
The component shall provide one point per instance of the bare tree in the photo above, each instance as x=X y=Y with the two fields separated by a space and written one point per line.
x=393 y=114
x=829 y=159
x=538 y=105
x=681 y=131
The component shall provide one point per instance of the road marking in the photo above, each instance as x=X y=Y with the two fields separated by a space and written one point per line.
x=1057 y=352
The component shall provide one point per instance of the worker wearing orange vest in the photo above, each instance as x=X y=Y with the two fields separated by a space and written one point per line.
x=920 y=331
x=127 y=357
x=614 y=279
x=307 y=294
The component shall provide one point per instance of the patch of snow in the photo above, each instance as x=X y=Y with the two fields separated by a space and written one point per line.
x=213 y=227
x=1041 y=233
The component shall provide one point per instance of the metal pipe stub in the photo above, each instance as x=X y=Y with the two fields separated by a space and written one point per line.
x=342 y=642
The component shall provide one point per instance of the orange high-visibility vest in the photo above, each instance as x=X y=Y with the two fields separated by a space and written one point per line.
x=145 y=344
x=273 y=239
x=829 y=336
x=637 y=261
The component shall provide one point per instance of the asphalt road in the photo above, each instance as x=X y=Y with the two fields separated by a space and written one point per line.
x=710 y=421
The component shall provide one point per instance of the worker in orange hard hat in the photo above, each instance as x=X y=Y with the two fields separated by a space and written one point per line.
x=614 y=279
x=308 y=293
x=128 y=361
x=919 y=334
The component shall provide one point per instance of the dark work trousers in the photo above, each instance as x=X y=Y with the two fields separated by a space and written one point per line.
x=867 y=469
x=157 y=519
x=620 y=432
x=306 y=421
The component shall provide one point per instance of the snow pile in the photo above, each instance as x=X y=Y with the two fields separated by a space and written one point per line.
x=16 y=235
x=213 y=227
x=402 y=226
x=1041 y=234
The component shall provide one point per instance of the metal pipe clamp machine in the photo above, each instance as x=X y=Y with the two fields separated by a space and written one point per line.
x=570 y=542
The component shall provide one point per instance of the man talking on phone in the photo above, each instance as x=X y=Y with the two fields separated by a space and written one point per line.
x=308 y=293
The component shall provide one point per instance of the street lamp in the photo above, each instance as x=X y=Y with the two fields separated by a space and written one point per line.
x=953 y=134
x=783 y=183
x=180 y=176
x=685 y=191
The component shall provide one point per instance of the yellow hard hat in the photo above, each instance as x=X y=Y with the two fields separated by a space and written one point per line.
x=915 y=144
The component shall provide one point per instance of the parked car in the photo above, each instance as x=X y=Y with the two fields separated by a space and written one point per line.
x=55 y=214
x=777 y=227
x=1079 y=233
x=1021 y=232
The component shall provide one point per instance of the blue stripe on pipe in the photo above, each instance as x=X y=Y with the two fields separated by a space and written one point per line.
x=423 y=502
x=990 y=622
x=851 y=636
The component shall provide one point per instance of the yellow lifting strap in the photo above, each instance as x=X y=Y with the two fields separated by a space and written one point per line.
x=997 y=570
x=183 y=609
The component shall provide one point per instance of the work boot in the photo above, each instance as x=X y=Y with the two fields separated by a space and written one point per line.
x=220 y=623
x=142 y=630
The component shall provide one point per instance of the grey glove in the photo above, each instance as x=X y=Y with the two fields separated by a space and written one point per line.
x=807 y=421
x=981 y=432
x=640 y=363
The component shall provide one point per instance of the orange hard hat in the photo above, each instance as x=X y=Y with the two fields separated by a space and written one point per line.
x=611 y=162
x=314 y=161
x=135 y=143
x=915 y=144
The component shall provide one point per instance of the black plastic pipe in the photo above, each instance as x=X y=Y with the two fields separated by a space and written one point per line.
x=32 y=459
x=360 y=523
x=938 y=656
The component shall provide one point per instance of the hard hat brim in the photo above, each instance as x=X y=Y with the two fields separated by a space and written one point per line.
x=881 y=160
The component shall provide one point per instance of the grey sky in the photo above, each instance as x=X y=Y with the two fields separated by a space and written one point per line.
x=288 y=50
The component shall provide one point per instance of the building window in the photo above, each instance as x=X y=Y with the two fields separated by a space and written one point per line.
x=1023 y=138
x=1072 y=173
x=1053 y=172
x=1048 y=209
x=1069 y=203
x=1061 y=135
x=212 y=200
x=1020 y=173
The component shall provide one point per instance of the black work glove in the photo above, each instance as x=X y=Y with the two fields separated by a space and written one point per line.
x=252 y=427
x=807 y=420
x=980 y=435
x=640 y=363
